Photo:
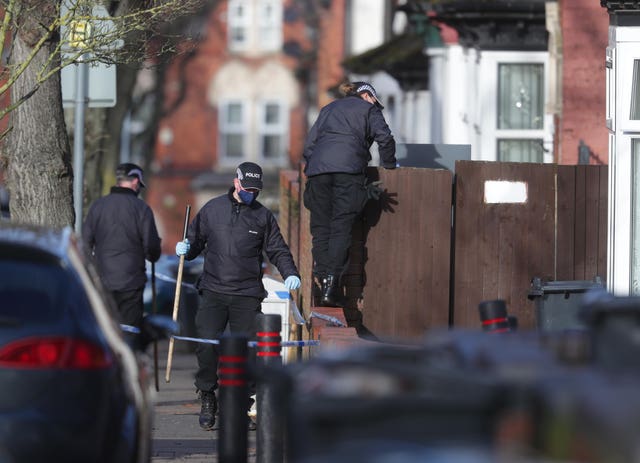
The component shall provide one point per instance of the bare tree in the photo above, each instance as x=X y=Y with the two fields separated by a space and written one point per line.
x=39 y=39
x=179 y=36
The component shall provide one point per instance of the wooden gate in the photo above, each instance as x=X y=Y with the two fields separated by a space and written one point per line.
x=558 y=233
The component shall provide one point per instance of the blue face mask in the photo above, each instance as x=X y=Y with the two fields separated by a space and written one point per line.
x=246 y=196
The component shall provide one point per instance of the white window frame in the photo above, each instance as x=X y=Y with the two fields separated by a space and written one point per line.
x=224 y=128
x=281 y=129
x=610 y=88
x=239 y=21
x=623 y=131
x=627 y=54
x=269 y=30
x=262 y=31
x=488 y=104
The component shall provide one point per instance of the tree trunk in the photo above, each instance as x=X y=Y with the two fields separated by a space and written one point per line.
x=39 y=171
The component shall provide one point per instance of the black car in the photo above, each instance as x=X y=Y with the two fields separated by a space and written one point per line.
x=74 y=386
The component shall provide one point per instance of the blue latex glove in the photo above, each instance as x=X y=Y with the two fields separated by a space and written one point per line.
x=182 y=247
x=292 y=282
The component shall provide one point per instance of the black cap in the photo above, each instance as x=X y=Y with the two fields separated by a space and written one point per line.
x=250 y=175
x=130 y=170
x=362 y=87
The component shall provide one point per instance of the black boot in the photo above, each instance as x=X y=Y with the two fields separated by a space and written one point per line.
x=331 y=296
x=208 y=410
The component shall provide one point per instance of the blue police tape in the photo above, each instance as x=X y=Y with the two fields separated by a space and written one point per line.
x=130 y=329
x=168 y=279
x=251 y=343
x=133 y=329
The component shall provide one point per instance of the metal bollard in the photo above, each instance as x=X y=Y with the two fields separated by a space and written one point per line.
x=493 y=315
x=270 y=423
x=234 y=398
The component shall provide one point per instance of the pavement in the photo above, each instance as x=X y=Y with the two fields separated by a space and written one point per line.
x=177 y=436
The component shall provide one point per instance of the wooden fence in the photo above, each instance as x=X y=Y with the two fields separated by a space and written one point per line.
x=432 y=249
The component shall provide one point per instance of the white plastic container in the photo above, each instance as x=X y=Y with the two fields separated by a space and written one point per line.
x=279 y=302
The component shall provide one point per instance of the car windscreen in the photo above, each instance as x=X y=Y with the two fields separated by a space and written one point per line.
x=33 y=292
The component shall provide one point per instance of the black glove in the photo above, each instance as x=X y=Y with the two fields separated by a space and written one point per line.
x=373 y=190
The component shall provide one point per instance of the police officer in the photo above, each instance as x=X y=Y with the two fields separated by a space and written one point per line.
x=233 y=231
x=337 y=153
x=120 y=231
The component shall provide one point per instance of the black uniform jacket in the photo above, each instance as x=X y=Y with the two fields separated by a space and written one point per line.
x=233 y=236
x=121 y=232
x=340 y=139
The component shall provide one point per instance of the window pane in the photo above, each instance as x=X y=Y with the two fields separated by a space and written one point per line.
x=233 y=145
x=271 y=146
x=635 y=92
x=267 y=10
x=237 y=35
x=520 y=150
x=520 y=96
x=271 y=113
x=635 y=217
x=234 y=113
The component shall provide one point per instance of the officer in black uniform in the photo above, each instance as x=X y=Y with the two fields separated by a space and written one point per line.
x=120 y=231
x=337 y=153
x=233 y=231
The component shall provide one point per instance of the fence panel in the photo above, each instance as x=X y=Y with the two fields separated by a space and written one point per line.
x=407 y=253
x=500 y=246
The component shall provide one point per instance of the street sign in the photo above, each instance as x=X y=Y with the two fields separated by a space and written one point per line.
x=101 y=78
x=101 y=86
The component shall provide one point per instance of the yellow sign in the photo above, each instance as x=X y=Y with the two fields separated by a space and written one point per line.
x=80 y=32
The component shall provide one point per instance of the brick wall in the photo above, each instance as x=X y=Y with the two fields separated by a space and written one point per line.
x=331 y=50
x=585 y=37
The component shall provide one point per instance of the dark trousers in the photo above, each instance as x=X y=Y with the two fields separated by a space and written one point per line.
x=130 y=306
x=214 y=312
x=334 y=201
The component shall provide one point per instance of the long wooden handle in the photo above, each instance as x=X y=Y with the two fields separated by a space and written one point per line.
x=176 y=305
x=176 y=300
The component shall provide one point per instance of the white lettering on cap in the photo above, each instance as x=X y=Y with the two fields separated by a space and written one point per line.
x=367 y=88
x=252 y=174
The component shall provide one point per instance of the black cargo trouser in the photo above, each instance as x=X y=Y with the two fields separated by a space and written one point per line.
x=130 y=306
x=215 y=310
x=334 y=201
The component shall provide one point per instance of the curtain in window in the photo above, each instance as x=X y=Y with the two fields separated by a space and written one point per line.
x=520 y=150
x=520 y=96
